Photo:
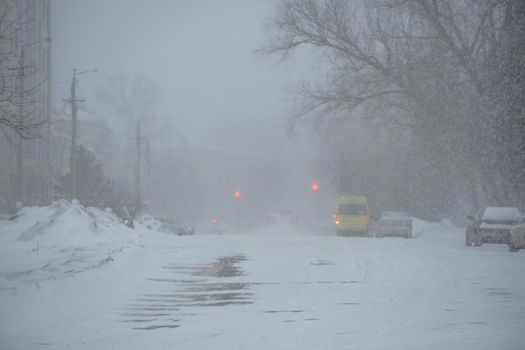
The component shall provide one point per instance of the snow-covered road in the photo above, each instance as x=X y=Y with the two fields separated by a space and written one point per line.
x=280 y=287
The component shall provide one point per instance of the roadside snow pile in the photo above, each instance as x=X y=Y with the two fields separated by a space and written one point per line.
x=59 y=240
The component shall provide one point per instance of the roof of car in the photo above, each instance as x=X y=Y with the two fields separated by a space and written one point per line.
x=394 y=215
x=502 y=213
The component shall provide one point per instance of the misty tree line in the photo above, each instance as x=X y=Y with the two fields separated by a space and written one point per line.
x=438 y=85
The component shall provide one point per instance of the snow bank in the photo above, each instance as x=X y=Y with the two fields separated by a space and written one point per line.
x=59 y=240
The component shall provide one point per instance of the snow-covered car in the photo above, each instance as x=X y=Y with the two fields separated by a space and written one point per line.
x=517 y=237
x=394 y=223
x=491 y=225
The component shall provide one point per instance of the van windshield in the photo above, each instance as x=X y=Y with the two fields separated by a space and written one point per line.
x=352 y=209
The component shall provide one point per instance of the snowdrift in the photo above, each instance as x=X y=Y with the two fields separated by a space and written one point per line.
x=59 y=240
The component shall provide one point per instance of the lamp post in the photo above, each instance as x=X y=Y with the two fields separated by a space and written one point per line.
x=138 y=181
x=74 y=130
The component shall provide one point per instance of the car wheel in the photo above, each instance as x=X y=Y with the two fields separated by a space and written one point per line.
x=512 y=248
x=478 y=242
x=468 y=240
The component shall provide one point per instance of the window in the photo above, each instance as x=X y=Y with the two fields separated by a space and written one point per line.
x=352 y=209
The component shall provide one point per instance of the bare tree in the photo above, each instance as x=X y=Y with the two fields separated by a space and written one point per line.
x=433 y=67
x=18 y=100
x=133 y=100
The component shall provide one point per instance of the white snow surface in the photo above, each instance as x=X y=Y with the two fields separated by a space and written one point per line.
x=58 y=241
x=278 y=287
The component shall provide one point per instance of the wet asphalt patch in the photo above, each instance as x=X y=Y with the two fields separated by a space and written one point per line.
x=321 y=262
x=281 y=311
x=197 y=286
x=152 y=311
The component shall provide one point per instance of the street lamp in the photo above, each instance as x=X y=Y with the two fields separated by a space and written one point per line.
x=74 y=101
x=139 y=137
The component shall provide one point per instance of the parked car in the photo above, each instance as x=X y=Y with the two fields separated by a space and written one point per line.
x=517 y=237
x=186 y=230
x=491 y=225
x=216 y=226
x=170 y=226
x=394 y=223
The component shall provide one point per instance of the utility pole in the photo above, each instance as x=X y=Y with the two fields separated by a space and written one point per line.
x=73 y=137
x=74 y=109
x=138 y=166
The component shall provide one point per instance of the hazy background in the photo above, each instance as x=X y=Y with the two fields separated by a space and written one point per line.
x=218 y=99
x=199 y=52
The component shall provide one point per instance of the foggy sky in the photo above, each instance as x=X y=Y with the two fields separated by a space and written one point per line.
x=215 y=92
x=199 y=52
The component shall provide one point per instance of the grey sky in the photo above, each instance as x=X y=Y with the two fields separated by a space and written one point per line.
x=199 y=52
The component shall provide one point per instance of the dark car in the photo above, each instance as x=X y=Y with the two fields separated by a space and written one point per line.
x=491 y=225
x=182 y=231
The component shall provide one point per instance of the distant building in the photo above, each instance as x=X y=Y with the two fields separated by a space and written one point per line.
x=26 y=25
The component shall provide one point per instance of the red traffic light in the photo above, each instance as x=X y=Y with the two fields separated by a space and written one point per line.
x=237 y=194
x=315 y=187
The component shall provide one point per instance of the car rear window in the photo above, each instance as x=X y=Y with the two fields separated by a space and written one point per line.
x=394 y=222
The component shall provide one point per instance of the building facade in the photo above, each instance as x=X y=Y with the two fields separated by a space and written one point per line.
x=25 y=86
